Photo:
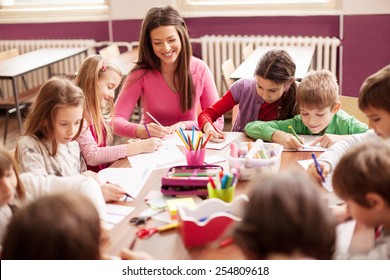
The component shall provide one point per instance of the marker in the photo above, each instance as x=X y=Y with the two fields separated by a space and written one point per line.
x=167 y=227
x=318 y=167
x=294 y=133
x=156 y=121
x=147 y=130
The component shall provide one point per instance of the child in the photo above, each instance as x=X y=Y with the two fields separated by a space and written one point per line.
x=98 y=77
x=362 y=180
x=171 y=83
x=17 y=189
x=320 y=114
x=286 y=218
x=268 y=96
x=374 y=101
x=47 y=146
x=58 y=226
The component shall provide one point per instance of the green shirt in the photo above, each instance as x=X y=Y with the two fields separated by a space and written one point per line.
x=341 y=124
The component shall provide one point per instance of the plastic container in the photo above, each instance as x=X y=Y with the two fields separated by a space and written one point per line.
x=195 y=157
x=249 y=168
x=209 y=220
x=226 y=195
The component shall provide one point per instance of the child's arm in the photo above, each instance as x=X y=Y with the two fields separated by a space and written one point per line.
x=328 y=140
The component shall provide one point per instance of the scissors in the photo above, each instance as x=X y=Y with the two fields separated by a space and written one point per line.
x=137 y=221
x=144 y=233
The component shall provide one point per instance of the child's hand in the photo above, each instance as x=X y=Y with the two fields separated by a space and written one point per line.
x=328 y=140
x=143 y=146
x=127 y=254
x=91 y=174
x=176 y=126
x=112 y=192
x=216 y=135
x=287 y=140
x=340 y=212
x=155 y=130
x=312 y=170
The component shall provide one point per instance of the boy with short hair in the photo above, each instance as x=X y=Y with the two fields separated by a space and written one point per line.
x=320 y=114
x=362 y=180
x=374 y=101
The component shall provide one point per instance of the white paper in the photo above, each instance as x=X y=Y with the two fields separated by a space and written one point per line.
x=166 y=156
x=131 y=180
x=214 y=159
x=116 y=213
x=308 y=139
x=344 y=233
x=328 y=180
x=229 y=137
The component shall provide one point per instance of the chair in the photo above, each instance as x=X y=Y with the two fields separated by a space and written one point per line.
x=350 y=105
x=8 y=103
x=227 y=69
x=246 y=51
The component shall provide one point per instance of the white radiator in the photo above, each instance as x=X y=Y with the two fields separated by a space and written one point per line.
x=217 y=48
x=39 y=76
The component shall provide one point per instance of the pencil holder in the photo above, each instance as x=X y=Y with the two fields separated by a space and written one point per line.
x=226 y=195
x=195 y=157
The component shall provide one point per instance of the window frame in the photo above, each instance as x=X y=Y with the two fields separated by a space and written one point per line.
x=194 y=8
x=54 y=13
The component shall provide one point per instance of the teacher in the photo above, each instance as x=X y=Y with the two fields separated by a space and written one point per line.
x=172 y=84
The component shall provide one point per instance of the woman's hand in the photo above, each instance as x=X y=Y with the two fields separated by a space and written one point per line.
x=155 y=130
x=176 y=126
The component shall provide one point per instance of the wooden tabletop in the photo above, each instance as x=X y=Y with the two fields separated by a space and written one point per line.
x=30 y=61
x=302 y=57
x=169 y=245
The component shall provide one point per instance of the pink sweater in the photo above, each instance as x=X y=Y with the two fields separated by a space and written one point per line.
x=160 y=101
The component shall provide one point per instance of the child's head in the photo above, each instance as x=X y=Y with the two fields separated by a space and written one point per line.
x=57 y=113
x=374 y=101
x=10 y=184
x=318 y=99
x=98 y=77
x=362 y=179
x=54 y=227
x=275 y=73
x=286 y=218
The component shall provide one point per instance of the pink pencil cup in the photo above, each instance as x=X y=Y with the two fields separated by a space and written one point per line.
x=195 y=157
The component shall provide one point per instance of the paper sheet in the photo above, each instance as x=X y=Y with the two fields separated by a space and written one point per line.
x=230 y=137
x=328 y=180
x=131 y=180
x=344 y=233
x=308 y=139
x=116 y=213
x=166 y=156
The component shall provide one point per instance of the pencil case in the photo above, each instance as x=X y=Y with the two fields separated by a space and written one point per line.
x=189 y=179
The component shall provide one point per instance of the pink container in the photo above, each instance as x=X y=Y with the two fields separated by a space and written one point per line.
x=195 y=157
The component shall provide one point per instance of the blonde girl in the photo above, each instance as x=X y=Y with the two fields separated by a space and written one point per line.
x=47 y=146
x=98 y=77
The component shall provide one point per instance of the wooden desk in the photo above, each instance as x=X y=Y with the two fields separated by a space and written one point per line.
x=302 y=57
x=169 y=245
x=17 y=66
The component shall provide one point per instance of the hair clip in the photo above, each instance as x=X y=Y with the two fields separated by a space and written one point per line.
x=104 y=68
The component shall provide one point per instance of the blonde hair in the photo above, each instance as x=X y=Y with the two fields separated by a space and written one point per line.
x=6 y=163
x=318 y=90
x=91 y=70
x=55 y=93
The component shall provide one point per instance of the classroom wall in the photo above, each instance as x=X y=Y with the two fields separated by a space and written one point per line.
x=362 y=26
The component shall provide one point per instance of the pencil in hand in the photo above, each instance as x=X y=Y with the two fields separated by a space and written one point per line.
x=295 y=134
x=147 y=130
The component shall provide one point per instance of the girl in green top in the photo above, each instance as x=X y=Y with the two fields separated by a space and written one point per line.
x=320 y=114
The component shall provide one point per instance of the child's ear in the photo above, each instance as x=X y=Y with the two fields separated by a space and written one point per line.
x=336 y=107
x=375 y=200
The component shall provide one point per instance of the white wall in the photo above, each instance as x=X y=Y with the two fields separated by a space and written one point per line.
x=136 y=9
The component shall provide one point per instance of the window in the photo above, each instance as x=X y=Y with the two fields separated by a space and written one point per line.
x=52 y=10
x=256 y=7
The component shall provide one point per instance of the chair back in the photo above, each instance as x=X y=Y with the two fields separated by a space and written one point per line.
x=9 y=54
x=246 y=51
x=227 y=69
x=111 y=51
x=350 y=105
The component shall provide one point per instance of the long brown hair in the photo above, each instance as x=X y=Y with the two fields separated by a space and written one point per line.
x=278 y=66
x=62 y=226
x=55 y=93
x=92 y=68
x=286 y=215
x=147 y=59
